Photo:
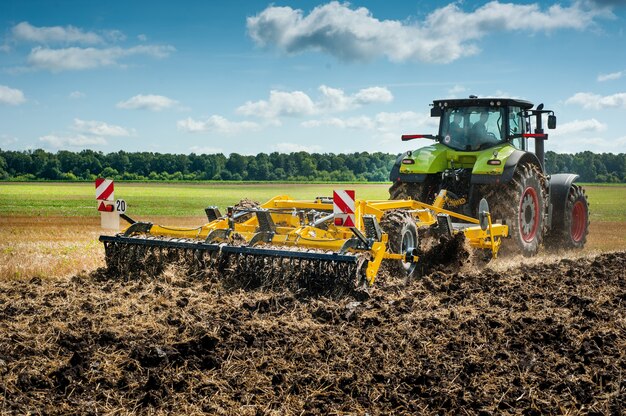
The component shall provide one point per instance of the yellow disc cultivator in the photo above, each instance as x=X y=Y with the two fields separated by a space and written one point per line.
x=301 y=244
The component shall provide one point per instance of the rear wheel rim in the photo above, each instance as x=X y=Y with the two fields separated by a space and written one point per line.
x=529 y=214
x=579 y=221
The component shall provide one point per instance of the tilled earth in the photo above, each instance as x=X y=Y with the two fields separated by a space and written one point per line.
x=536 y=339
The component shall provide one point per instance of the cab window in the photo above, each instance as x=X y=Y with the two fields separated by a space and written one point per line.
x=516 y=126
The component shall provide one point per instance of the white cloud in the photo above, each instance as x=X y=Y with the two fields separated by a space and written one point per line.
x=362 y=122
x=457 y=89
x=280 y=103
x=24 y=31
x=445 y=35
x=579 y=126
x=216 y=124
x=75 y=58
x=141 y=37
x=99 y=128
x=11 y=96
x=205 y=150
x=583 y=135
x=597 y=102
x=387 y=126
x=298 y=103
x=80 y=140
x=610 y=77
x=147 y=102
x=77 y=95
x=295 y=147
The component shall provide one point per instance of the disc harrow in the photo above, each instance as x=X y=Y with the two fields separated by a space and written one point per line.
x=297 y=245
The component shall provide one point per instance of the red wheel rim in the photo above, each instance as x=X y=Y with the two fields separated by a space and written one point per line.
x=579 y=221
x=529 y=214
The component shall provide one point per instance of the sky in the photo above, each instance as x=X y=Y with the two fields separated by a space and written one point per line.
x=250 y=76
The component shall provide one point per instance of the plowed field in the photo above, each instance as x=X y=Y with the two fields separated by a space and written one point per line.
x=545 y=338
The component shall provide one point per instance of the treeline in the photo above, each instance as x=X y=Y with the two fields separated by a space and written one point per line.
x=299 y=166
x=592 y=167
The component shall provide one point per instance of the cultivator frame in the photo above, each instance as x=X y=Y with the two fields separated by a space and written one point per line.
x=298 y=233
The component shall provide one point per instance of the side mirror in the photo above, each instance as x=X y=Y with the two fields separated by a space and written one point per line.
x=435 y=112
x=552 y=121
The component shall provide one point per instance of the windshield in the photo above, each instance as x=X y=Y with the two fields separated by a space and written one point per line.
x=472 y=128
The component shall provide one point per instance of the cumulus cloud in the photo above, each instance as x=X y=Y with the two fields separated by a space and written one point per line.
x=386 y=125
x=457 y=89
x=99 y=128
x=295 y=103
x=445 y=35
x=147 y=102
x=24 y=31
x=80 y=140
x=592 y=101
x=356 y=123
x=298 y=103
x=86 y=133
x=11 y=96
x=579 y=126
x=610 y=77
x=216 y=124
x=75 y=58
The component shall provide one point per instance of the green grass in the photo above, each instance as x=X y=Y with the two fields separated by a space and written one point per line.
x=163 y=199
x=607 y=203
x=78 y=199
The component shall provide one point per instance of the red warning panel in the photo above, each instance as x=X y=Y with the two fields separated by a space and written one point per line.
x=343 y=208
x=104 y=189
x=105 y=207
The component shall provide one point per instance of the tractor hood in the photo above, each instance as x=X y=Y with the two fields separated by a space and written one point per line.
x=438 y=157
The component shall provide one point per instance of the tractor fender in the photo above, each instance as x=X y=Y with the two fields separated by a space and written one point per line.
x=559 y=190
x=396 y=176
x=517 y=157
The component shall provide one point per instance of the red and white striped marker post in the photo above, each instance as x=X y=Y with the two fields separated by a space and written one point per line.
x=343 y=208
x=109 y=217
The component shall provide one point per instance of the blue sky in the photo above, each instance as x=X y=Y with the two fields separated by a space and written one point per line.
x=254 y=76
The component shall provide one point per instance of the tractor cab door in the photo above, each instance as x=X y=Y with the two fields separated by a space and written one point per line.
x=517 y=125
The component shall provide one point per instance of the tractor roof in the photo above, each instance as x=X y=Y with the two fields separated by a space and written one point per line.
x=467 y=102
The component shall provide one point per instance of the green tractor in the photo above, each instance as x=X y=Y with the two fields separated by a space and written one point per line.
x=482 y=151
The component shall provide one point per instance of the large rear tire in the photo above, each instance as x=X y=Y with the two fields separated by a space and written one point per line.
x=423 y=192
x=522 y=206
x=573 y=234
x=405 y=190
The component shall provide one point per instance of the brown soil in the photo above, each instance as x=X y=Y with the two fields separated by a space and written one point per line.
x=540 y=339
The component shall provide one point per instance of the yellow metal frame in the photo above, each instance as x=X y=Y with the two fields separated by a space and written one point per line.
x=291 y=233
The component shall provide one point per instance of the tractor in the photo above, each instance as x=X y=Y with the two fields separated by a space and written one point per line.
x=482 y=150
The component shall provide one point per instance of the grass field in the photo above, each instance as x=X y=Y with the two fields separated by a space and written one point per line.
x=185 y=200
x=51 y=229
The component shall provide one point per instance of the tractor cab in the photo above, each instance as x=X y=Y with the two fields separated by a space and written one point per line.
x=481 y=123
